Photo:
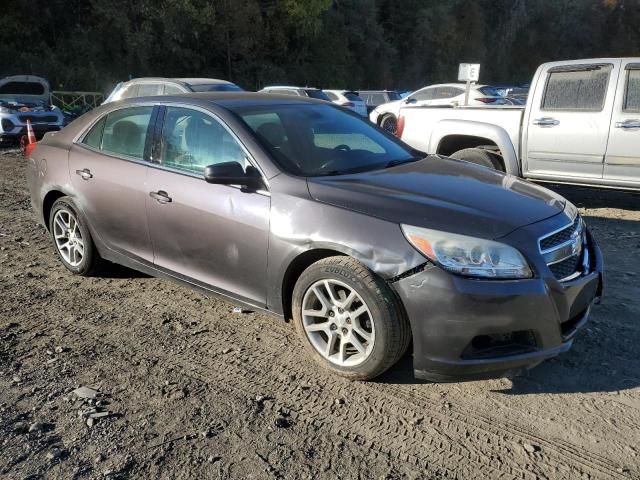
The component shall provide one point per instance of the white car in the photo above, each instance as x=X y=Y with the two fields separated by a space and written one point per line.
x=348 y=99
x=444 y=94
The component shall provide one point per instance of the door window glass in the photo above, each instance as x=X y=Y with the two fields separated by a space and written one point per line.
x=171 y=89
x=424 y=94
x=632 y=95
x=149 y=89
x=193 y=140
x=578 y=90
x=94 y=137
x=125 y=131
x=129 y=92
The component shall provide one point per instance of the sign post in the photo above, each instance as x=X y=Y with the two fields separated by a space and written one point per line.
x=468 y=72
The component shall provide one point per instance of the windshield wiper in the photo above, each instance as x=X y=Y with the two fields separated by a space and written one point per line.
x=395 y=163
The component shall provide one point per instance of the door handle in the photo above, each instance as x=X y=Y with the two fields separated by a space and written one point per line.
x=85 y=173
x=160 y=196
x=546 y=122
x=628 y=124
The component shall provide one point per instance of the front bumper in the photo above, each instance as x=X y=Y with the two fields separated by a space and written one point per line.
x=13 y=127
x=466 y=329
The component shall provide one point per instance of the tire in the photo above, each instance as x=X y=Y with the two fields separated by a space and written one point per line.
x=80 y=256
x=382 y=329
x=479 y=156
x=389 y=123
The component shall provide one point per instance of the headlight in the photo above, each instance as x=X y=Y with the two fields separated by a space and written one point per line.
x=4 y=110
x=469 y=256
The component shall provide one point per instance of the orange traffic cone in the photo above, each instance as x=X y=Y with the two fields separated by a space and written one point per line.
x=30 y=144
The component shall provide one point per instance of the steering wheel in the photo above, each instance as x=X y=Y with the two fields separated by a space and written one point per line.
x=343 y=147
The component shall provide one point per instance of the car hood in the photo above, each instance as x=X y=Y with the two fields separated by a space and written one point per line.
x=389 y=106
x=442 y=194
x=20 y=89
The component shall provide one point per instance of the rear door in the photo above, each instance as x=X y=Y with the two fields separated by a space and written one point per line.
x=214 y=234
x=108 y=169
x=568 y=122
x=622 y=161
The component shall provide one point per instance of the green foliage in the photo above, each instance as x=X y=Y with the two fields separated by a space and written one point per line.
x=92 y=44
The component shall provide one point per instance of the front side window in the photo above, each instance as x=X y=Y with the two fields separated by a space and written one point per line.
x=632 y=93
x=193 y=140
x=216 y=87
x=125 y=131
x=130 y=91
x=318 y=94
x=170 y=89
x=582 y=89
x=318 y=140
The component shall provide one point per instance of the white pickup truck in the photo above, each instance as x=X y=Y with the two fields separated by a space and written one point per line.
x=581 y=126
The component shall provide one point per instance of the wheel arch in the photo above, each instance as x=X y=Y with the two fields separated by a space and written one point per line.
x=447 y=139
x=47 y=204
x=295 y=268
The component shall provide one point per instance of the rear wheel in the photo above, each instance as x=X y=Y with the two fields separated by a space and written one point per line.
x=349 y=319
x=71 y=238
x=480 y=156
x=389 y=123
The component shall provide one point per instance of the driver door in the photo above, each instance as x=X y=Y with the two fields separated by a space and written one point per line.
x=216 y=235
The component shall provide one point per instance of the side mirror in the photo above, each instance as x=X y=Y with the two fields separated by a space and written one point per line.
x=232 y=173
x=410 y=100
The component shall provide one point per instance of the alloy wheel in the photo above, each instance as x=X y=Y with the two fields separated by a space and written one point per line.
x=338 y=322
x=68 y=238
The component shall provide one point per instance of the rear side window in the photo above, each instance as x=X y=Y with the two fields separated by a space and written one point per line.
x=582 y=89
x=125 y=131
x=193 y=140
x=94 y=137
x=632 y=94
x=129 y=91
x=171 y=89
x=149 y=89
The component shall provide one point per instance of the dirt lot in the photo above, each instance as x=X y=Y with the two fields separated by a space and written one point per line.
x=197 y=391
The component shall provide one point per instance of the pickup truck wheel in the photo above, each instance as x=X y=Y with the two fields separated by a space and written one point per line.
x=389 y=123
x=349 y=319
x=479 y=157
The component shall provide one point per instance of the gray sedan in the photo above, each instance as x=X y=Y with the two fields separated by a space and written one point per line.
x=298 y=208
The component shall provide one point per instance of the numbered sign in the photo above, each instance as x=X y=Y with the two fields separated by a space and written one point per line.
x=469 y=72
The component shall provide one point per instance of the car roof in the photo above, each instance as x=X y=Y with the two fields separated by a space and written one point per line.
x=228 y=99
x=289 y=86
x=188 y=81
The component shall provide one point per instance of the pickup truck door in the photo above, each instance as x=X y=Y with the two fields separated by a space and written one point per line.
x=568 y=121
x=622 y=161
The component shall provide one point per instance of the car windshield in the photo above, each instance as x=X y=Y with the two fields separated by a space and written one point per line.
x=216 y=87
x=319 y=94
x=319 y=140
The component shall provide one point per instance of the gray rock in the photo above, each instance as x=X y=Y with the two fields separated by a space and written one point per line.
x=37 y=427
x=530 y=448
x=85 y=392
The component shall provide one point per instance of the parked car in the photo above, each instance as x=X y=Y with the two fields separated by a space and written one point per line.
x=295 y=207
x=152 y=86
x=309 y=92
x=374 y=98
x=450 y=94
x=22 y=98
x=581 y=126
x=348 y=99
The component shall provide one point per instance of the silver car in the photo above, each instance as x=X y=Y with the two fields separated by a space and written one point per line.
x=153 y=86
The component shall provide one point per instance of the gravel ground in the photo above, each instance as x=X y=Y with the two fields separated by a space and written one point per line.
x=193 y=390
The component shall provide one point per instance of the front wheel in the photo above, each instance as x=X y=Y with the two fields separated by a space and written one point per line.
x=389 y=123
x=349 y=319
x=480 y=156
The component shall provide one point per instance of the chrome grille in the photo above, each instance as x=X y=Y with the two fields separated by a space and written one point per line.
x=563 y=250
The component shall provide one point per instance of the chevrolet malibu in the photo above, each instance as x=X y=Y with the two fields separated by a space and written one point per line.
x=296 y=207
